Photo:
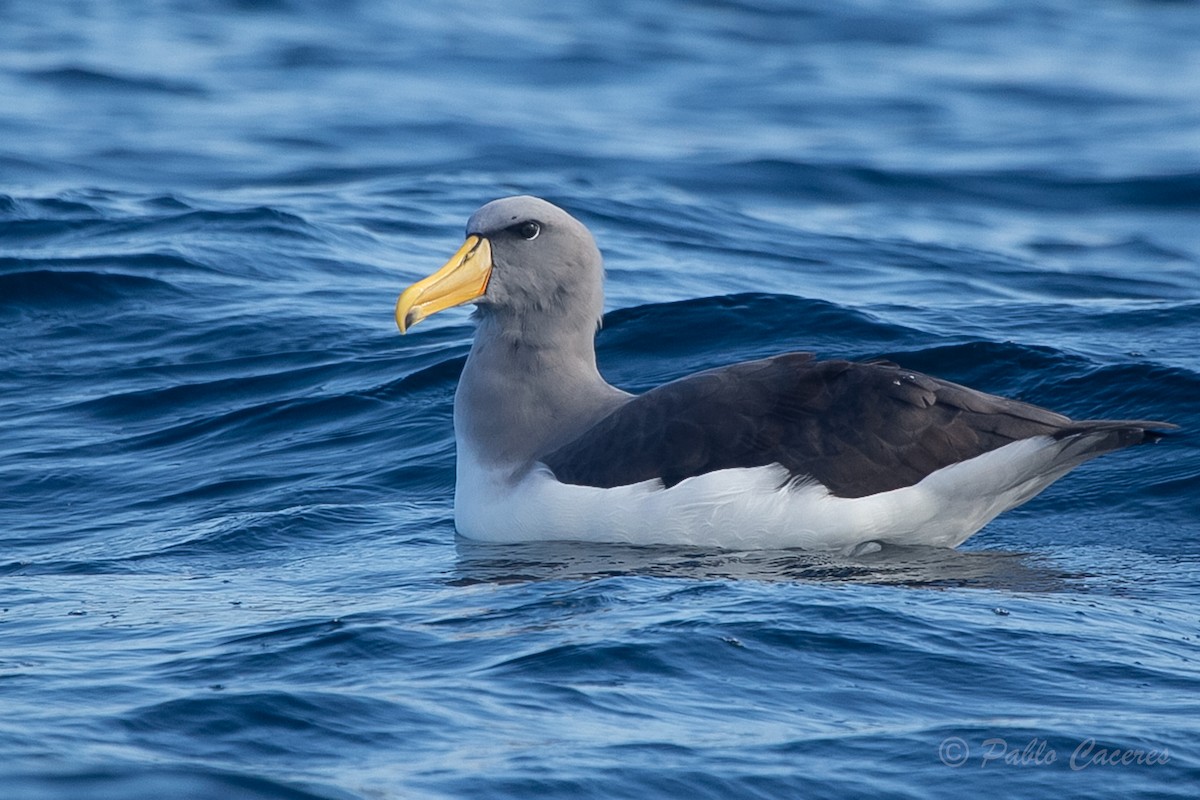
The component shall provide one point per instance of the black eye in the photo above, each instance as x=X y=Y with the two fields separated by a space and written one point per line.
x=527 y=230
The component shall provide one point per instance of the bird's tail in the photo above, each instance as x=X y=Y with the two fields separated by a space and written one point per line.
x=1088 y=438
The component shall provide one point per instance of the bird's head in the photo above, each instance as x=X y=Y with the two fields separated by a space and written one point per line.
x=523 y=259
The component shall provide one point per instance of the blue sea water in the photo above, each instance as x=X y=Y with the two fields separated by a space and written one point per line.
x=228 y=566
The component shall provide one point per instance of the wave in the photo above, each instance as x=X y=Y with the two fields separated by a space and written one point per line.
x=1039 y=190
x=62 y=290
x=77 y=78
x=665 y=340
x=139 y=780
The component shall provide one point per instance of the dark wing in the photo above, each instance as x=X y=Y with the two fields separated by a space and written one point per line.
x=858 y=428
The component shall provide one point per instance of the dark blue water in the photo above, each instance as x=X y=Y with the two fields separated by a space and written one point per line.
x=227 y=561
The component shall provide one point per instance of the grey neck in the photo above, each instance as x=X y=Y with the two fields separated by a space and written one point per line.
x=524 y=393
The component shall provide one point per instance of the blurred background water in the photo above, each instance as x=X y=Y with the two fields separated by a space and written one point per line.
x=228 y=563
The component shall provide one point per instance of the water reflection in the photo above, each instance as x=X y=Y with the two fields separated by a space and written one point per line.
x=932 y=567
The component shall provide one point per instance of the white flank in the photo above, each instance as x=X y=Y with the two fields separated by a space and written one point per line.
x=751 y=509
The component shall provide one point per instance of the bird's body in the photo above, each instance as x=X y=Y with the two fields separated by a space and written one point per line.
x=778 y=453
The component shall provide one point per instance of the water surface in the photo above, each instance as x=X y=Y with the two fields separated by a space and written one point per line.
x=228 y=562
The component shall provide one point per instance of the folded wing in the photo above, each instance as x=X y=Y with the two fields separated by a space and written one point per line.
x=857 y=428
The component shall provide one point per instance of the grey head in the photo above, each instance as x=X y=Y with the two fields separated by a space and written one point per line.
x=537 y=280
x=547 y=273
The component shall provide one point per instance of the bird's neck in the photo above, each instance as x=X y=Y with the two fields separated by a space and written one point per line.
x=569 y=338
x=521 y=396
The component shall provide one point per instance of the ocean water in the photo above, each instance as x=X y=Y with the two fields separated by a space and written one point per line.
x=228 y=566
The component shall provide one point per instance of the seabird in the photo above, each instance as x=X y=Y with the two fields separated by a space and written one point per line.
x=782 y=452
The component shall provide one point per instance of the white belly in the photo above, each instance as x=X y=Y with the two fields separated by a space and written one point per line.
x=752 y=508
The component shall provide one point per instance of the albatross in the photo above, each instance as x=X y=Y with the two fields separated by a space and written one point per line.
x=782 y=452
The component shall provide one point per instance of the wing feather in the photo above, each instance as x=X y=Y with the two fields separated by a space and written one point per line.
x=858 y=428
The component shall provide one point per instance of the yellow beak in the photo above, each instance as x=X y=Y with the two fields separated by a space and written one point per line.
x=463 y=278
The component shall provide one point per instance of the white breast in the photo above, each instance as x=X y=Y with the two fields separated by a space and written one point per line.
x=752 y=508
